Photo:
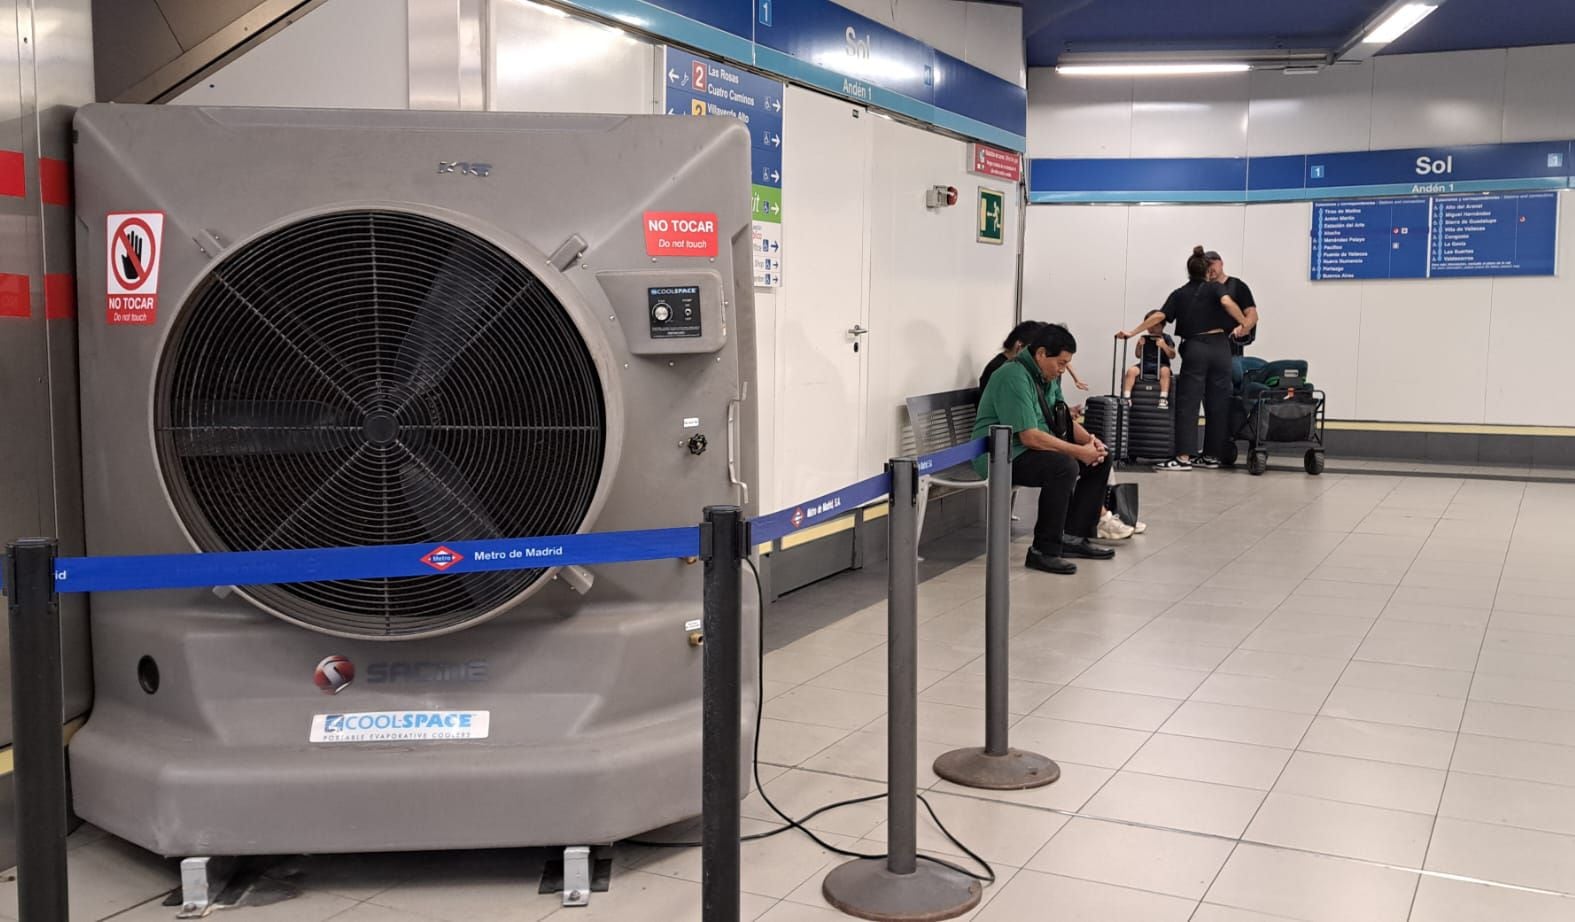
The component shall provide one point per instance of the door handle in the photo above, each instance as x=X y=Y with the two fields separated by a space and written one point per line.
x=858 y=329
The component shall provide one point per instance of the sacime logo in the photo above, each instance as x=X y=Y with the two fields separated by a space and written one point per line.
x=334 y=674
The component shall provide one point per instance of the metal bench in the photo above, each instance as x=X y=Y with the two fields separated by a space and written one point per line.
x=940 y=421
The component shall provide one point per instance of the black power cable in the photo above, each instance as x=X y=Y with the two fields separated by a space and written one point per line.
x=988 y=877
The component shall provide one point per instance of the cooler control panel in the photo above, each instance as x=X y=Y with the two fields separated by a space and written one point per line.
x=674 y=312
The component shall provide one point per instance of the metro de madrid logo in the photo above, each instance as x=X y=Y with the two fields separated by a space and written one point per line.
x=798 y=517
x=334 y=674
x=442 y=558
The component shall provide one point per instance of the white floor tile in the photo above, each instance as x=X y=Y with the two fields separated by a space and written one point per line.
x=1255 y=691
x=1415 y=680
x=1314 y=888
x=1088 y=744
x=1527 y=804
x=1031 y=894
x=1546 y=762
x=1347 y=830
x=1380 y=742
x=1428 y=712
x=1512 y=721
x=1160 y=861
x=1505 y=854
x=105 y=877
x=1259 y=726
x=1442 y=900
x=1141 y=679
x=826 y=707
x=1113 y=709
x=1361 y=781
x=1215 y=761
x=1175 y=803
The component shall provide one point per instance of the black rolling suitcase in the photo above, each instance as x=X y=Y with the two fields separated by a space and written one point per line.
x=1151 y=433
x=1109 y=418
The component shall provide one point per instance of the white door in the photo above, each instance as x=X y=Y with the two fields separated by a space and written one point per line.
x=940 y=301
x=820 y=361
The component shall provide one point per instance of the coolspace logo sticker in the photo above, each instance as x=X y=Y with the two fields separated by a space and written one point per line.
x=400 y=726
x=135 y=246
x=334 y=674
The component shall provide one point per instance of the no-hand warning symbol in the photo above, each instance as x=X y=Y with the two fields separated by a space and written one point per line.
x=135 y=240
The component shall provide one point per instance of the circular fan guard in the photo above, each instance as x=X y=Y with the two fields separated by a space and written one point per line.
x=378 y=377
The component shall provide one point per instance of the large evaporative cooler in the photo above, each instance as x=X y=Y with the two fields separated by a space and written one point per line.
x=316 y=328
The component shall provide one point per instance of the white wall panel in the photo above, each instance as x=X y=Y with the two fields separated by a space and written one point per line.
x=1433 y=99
x=1296 y=114
x=939 y=300
x=1078 y=118
x=547 y=61
x=987 y=35
x=344 y=54
x=1423 y=350
x=1537 y=101
x=1195 y=117
x=995 y=40
x=1532 y=346
x=1076 y=273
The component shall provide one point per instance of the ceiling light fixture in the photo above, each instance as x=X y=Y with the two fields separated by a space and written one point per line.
x=1398 y=23
x=1151 y=70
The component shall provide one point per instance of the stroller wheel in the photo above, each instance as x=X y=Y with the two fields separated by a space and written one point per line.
x=1313 y=461
x=1230 y=454
x=1258 y=463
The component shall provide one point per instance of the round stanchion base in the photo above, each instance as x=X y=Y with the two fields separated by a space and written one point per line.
x=867 y=889
x=1015 y=771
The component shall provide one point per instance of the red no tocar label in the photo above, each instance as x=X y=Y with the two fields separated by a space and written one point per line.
x=680 y=233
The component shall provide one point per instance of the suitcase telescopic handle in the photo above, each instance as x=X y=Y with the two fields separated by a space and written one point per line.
x=1120 y=366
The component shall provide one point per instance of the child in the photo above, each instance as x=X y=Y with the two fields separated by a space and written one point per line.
x=1155 y=350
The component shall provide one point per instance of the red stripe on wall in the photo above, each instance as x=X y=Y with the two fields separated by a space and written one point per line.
x=60 y=296
x=11 y=181
x=54 y=181
x=14 y=300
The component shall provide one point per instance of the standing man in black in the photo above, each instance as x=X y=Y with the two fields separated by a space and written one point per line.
x=1241 y=293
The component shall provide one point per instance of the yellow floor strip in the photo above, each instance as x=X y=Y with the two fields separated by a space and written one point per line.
x=69 y=730
x=1353 y=425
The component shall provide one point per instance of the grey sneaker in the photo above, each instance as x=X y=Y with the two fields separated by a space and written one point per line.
x=1174 y=464
x=1207 y=462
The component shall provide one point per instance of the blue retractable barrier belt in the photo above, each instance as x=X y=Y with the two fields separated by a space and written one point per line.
x=951 y=457
x=841 y=502
x=247 y=568
x=821 y=508
x=250 y=568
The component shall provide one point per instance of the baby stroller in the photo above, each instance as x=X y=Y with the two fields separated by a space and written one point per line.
x=1275 y=404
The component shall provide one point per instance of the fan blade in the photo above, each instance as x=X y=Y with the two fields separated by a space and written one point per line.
x=458 y=307
x=219 y=428
x=444 y=501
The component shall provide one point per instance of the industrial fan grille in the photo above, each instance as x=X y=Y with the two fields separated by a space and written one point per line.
x=377 y=377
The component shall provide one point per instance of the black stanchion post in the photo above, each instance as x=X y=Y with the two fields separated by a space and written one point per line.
x=37 y=744
x=723 y=546
x=898 y=887
x=997 y=766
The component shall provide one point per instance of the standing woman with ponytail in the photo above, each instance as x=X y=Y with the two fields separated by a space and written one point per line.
x=1204 y=314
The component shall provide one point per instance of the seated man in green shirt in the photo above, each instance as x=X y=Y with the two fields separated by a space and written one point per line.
x=1070 y=467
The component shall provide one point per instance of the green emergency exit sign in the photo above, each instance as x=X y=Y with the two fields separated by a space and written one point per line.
x=992 y=216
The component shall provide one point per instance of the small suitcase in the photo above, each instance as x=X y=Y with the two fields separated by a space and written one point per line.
x=1151 y=432
x=1107 y=418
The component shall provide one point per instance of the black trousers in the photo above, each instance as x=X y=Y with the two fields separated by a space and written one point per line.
x=1205 y=380
x=1071 y=495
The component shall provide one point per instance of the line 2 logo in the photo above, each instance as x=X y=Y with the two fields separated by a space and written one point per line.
x=681 y=233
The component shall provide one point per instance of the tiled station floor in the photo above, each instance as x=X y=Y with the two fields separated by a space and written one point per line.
x=1332 y=699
